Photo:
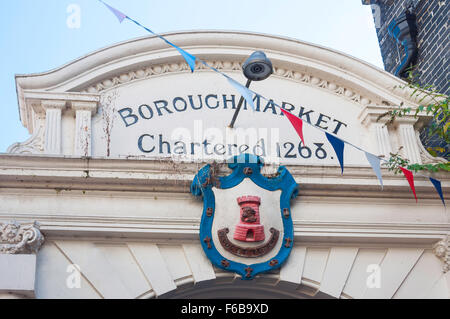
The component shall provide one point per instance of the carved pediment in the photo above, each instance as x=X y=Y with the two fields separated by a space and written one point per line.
x=129 y=99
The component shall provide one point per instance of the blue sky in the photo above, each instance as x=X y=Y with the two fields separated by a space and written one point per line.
x=35 y=36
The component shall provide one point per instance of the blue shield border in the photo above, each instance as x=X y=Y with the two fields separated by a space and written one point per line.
x=244 y=166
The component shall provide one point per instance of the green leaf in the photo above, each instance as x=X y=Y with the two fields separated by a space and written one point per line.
x=432 y=152
x=446 y=126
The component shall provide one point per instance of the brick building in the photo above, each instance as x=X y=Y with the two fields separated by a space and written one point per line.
x=431 y=40
x=428 y=47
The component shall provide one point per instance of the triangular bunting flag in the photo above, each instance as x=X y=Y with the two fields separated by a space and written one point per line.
x=409 y=176
x=437 y=185
x=296 y=122
x=338 y=146
x=375 y=163
x=120 y=16
x=190 y=59
x=245 y=92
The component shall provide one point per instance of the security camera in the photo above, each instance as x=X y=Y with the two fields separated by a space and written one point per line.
x=257 y=67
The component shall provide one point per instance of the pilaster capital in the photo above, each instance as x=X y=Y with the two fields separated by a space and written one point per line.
x=406 y=120
x=18 y=238
x=373 y=114
x=85 y=106
x=53 y=104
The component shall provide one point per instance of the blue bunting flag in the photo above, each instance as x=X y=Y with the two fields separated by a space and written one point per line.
x=338 y=146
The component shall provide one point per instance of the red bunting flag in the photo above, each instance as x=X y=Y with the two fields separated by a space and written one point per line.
x=296 y=122
x=409 y=176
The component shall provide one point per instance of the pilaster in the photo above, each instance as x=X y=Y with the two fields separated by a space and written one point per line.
x=408 y=139
x=383 y=141
x=53 y=138
x=370 y=117
x=83 y=127
x=377 y=119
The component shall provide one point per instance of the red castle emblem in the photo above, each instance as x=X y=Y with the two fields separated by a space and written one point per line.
x=249 y=228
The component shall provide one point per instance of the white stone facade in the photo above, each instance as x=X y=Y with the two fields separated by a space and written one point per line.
x=119 y=220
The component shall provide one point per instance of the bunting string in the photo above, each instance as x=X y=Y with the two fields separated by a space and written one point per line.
x=337 y=143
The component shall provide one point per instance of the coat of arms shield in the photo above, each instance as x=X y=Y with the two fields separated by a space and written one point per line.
x=246 y=225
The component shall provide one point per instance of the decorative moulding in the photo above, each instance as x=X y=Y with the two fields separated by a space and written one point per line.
x=442 y=250
x=18 y=238
x=426 y=157
x=160 y=69
x=127 y=173
x=34 y=145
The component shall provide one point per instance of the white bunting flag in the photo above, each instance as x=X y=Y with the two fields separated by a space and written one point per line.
x=375 y=163
x=245 y=92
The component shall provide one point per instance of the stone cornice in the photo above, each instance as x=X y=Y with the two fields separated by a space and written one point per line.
x=177 y=230
x=160 y=175
x=58 y=179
